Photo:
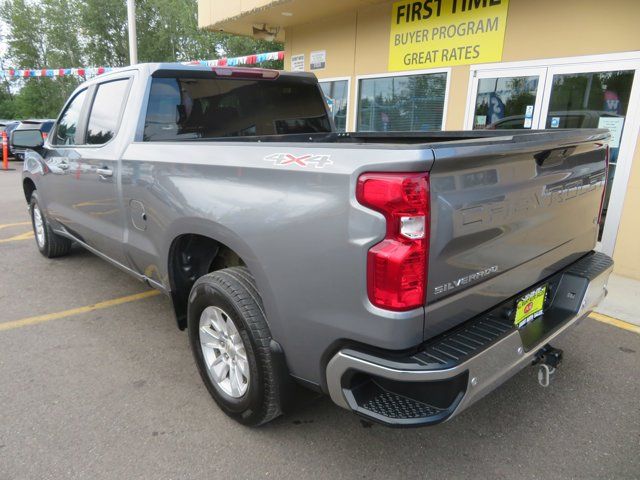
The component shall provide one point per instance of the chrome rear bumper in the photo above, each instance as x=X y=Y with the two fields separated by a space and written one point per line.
x=418 y=390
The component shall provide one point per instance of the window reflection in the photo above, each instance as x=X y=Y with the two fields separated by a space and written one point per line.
x=406 y=103
x=337 y=95
x=505 y=103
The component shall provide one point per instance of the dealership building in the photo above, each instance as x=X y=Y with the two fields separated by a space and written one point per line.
x=471 y=64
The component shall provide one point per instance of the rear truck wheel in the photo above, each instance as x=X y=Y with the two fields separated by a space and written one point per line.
x=49 y=243
x=231 y=344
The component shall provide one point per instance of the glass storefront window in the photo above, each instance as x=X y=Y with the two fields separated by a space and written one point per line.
x=407 y=103
x=505 y=102
x=580 y=100
x=337 y=94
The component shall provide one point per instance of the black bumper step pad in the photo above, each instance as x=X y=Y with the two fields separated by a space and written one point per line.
x=392 y=405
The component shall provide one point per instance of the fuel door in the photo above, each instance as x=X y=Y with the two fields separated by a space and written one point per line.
x=138 y=215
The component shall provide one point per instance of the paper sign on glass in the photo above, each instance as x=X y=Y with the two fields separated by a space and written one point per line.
x=614 y=124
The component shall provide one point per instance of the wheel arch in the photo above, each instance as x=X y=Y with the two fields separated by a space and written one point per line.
x=28 y=186
x=197 y=247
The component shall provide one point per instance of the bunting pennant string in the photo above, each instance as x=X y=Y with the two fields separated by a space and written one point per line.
x=245 y=60
x=93 y=71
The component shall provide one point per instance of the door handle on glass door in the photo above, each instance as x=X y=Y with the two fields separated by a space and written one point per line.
x=104 y=172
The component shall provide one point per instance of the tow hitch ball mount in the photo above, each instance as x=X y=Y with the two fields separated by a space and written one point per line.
x=548 y=360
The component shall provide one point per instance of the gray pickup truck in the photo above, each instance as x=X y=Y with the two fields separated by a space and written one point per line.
x=406 y=275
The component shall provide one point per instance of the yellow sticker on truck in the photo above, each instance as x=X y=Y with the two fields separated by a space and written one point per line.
x=530 y=306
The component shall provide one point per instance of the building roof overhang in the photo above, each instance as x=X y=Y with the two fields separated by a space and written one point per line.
x=251 y=17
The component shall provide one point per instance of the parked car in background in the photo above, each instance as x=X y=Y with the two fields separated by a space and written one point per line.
x=8 y=126
x=568 y=119
x=43 y=125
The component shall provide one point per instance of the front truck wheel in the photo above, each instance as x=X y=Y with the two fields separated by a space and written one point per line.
x=49 y=243
x=230 y=340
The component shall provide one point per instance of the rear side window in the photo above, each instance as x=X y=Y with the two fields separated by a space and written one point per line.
x=190 y=108
x=66 y=129
x=105 y=111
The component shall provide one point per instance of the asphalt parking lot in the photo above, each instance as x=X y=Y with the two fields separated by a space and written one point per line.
x=111 y=391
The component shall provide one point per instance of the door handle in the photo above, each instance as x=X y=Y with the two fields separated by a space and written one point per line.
x=104 y=172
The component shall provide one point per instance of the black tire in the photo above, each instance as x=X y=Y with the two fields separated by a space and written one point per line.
x=234 y=291
x=52 y=245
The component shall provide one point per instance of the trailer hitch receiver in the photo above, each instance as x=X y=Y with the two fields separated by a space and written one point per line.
x=548 y=360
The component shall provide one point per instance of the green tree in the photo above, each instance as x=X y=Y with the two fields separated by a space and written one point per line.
x=27 y=45
x=44 y=97
x=39 y=48
x=74 y=33
x=61 y=33
x=104 y=28
x=7 y=103
x=167 y=32
x=237 y=45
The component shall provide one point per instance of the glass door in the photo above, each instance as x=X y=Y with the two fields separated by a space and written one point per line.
x=506 y=99
x=596 y=95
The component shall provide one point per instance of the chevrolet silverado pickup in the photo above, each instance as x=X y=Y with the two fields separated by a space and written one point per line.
x=406 y=275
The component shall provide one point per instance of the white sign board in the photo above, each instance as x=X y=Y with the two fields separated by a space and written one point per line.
x=318 y=60
x=614 y=124
x=297 y=63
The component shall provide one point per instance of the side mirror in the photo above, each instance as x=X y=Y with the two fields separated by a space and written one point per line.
x=27 y=139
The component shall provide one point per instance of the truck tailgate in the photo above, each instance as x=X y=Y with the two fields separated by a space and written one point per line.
x=506 y=215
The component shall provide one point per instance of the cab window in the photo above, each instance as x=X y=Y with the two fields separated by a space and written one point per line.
x=105 y=111
x=190 y=108
x=68 y=124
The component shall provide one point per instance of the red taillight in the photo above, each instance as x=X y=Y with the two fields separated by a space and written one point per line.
x=606 y=179
x=397 y=266
x=44 y=135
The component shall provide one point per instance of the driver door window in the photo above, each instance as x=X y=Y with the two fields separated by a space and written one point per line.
x=69 y=121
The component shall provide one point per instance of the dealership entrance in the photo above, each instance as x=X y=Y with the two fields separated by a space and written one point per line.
x=577 y=92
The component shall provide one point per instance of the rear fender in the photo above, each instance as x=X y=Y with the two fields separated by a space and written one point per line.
x=228 y=238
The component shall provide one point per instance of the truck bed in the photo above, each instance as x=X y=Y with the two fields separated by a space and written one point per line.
x=428 y=139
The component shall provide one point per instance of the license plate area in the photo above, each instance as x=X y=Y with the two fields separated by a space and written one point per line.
x=530 y=306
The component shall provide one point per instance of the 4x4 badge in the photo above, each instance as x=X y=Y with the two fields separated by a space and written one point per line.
x=285 y=159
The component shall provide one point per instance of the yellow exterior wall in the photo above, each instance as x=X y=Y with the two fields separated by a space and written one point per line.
x=552 y=28
x=335 y=35
x=627 y=250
